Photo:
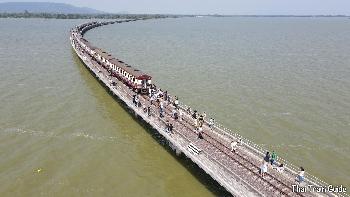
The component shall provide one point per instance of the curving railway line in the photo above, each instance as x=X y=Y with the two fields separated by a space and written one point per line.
x=237 y=172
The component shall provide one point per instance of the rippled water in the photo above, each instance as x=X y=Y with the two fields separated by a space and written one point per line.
x=56 y=117
x=282 y=82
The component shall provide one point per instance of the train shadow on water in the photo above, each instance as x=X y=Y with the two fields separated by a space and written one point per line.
x=213 y=186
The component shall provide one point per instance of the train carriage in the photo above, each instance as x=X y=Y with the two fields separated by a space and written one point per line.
x=134 y=78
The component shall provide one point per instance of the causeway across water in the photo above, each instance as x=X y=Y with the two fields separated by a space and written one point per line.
x=237 y=171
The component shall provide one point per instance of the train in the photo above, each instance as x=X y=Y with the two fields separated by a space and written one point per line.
x=135 y=79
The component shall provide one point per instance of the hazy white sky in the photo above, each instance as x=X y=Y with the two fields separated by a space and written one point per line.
x=297 y=7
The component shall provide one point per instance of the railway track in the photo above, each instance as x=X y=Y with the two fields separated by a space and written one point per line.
x=237 y=161
x=219 y=151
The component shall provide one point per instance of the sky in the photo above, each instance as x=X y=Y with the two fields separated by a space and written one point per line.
x=228 y=7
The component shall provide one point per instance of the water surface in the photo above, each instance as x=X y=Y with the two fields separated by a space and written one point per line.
x=282 y=82
x=56 y=117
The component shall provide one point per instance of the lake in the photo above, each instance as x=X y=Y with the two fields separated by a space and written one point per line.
x=282 y=82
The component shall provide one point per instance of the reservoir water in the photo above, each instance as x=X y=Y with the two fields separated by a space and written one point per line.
x=281 y=82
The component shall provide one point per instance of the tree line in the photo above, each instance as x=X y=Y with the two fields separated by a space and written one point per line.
x=27 y=14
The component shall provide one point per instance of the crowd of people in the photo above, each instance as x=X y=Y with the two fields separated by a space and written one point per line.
x=279 y=167
x=162 y=99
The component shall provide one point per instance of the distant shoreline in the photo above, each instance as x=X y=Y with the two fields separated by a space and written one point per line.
x=148 y=16
x=84 y=16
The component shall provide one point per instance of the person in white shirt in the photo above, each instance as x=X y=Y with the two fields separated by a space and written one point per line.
x=279 y=168
x=263 y=169
x=211 y=123
x=301 y=175
x=161 y=109
x=200 y=133
x=235 y=144
x=176 y=102
x=180 y=115
x=153 y=98
x=204 y=115
x=150 y=92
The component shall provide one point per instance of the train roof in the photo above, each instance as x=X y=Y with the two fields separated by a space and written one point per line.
x=103 y=53
x=87 y=43
x=131 y=70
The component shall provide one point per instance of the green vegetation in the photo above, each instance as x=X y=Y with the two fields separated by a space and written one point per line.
x=27 y=14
